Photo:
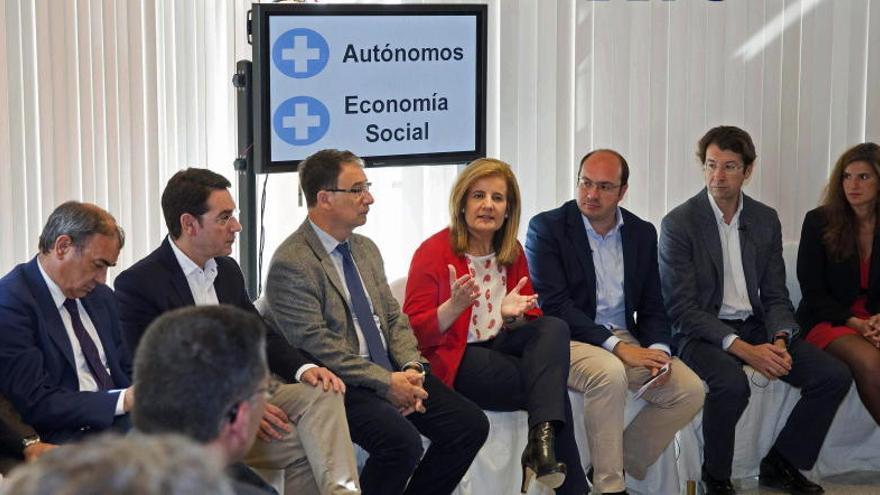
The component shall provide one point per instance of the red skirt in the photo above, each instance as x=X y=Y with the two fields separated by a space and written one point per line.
x=824 y=333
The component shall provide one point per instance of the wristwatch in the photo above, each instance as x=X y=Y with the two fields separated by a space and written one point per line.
x=29 y=440
x=423 y=368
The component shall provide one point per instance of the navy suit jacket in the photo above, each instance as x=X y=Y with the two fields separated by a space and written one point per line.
x=563 y=275
x=37 y=368
x=156 y=284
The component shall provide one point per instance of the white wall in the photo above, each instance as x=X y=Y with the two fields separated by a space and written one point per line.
x=102 y=100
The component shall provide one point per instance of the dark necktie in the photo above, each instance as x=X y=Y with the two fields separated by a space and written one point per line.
x=361 y=307
x=89 y=350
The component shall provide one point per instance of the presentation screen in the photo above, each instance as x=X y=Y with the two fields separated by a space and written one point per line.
x=395 y=84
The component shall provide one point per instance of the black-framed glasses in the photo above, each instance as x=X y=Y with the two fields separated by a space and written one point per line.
x=601 y=186
x=358 y=190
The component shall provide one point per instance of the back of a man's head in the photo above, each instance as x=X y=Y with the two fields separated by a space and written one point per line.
x=133 y=464
x=194 y=368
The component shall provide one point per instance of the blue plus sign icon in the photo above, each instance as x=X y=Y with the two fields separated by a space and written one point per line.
x=301 y=120
x=300 y=53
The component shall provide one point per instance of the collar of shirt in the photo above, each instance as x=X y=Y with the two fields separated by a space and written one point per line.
x=189 y=266
x=55 y=291
x=719 y=216
x=328 y=241
x=614 y=230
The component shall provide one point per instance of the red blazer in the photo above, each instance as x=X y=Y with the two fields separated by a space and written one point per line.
x=427 y=287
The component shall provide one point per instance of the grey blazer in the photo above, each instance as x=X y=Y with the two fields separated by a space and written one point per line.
x=307 y=301
x=691 y=270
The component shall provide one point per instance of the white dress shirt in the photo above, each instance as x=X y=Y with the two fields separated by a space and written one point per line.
x=200 y=281
x=607 y=253
x=735 y=304
x=84 y=375
x=329 y=242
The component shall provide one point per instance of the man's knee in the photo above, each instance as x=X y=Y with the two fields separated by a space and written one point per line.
x=601 y=374
x=838 y=376
x=691 y=391
x=400 y=445
x=731 y=386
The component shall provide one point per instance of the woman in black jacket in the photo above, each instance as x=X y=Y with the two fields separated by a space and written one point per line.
x=839 y=270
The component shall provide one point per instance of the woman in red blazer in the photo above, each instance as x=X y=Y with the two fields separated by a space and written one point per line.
x=839 y=270
x=474 y=314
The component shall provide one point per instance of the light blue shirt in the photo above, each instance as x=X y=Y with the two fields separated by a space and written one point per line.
x=607 y=253
x=329 y=242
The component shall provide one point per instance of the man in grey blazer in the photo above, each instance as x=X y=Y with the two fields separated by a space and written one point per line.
x=723 y=281
x=328 y=295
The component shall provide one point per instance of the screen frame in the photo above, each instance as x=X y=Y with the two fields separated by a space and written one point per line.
x=262 y=58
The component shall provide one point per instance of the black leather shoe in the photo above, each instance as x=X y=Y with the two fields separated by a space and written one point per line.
x=717 y=487
x=590 y=479
x=539 y=458
x=776 y=472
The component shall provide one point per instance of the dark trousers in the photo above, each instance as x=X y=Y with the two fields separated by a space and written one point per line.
x=527 y=368
x=456 y=427
x=824 y=382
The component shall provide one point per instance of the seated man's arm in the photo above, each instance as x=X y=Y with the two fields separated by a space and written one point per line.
x=678 y=282
x=137 y=307
x=284 y=359
x=549 y=281
x=13 y=431
x=653 y=323
x=296 y=297
x=778 y=311
x=25 y=381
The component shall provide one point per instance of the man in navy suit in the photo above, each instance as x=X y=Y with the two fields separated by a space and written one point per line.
x=63 y=361
x=594 y=264
x=192 y=267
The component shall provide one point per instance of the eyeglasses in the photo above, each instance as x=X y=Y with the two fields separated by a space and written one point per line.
x=224 y=218
x=728 y=167
x=605 y=187
x=358 y=190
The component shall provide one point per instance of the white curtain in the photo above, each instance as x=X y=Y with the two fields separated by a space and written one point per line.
x=102 y=100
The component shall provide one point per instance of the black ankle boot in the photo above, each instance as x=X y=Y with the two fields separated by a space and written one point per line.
x=539 y=458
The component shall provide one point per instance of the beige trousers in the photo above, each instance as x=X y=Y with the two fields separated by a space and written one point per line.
x=603 y=379
x=317 y=456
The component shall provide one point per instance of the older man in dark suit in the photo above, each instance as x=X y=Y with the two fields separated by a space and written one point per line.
x=723 y=280
x=328 y=294
x=63 y=362
x=192 y=267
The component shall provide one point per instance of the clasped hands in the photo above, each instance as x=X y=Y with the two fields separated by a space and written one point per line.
x=407 y=392
x=465 y=291
x=771 y=360
x=869 y=329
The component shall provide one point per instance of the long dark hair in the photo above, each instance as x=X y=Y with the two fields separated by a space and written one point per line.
x=841 y=229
